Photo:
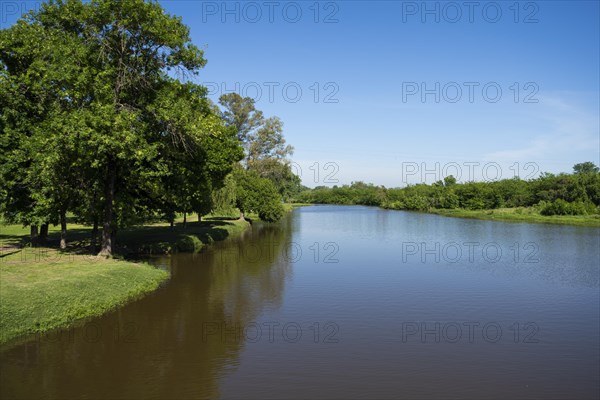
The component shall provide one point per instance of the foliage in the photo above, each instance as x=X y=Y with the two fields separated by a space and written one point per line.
x=562 y=194
x=587 y=167
x=262 y=138
x=241 y=114
x=562 y=207
x=224 y=199
x=94 y=123
x=259 y=195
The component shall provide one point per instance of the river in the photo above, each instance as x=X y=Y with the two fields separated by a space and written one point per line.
x=344 y=302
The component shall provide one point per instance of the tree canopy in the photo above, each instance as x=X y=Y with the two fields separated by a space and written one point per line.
x=101 y=119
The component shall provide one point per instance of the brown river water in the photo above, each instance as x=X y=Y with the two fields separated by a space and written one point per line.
x=344 y=302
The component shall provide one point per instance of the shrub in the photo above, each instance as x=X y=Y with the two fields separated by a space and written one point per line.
x=562 y=207
x=271 y=212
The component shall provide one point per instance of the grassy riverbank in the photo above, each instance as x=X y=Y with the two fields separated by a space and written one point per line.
x=42 y=287
x=191 y=238
x=158 y=238
x=518 y=214
x=291 y=206
x=522 y=214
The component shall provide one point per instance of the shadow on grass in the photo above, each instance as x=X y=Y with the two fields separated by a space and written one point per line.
x=228 y=219
x=137 y=240
x=206 y=219
x=11 y=240
x=5 y=252
x=166 y=239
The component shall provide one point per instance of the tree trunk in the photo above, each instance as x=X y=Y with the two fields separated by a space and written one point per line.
x=43 y=233
x=184 y=219
x=33 y=232
x=199 y=217
x=109 y=196
x=172 y=222
x=63 y=229
x=94 y=234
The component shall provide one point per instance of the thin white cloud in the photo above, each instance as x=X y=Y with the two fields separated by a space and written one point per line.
x=571 y=129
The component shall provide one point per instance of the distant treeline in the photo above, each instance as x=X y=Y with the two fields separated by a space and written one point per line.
x=562 y=194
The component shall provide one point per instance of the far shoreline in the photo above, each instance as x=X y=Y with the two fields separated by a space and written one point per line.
x=498 y=215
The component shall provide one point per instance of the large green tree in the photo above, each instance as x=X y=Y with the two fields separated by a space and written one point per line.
x=268 y=155
x=266 y=150
x=42 y=109
x=241 y=113
x=94 y=122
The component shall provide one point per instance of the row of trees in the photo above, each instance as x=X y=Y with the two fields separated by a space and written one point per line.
x=576 y=193
x=263 y=178
x=100 y=119
x=266 y=153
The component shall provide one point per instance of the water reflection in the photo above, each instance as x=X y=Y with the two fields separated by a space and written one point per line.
x=175 y=343
x=409 y=321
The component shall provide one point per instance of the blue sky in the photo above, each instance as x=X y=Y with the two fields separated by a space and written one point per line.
x=363 y=67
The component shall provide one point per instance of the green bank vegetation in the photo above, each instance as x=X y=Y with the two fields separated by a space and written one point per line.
x=42 y=290
x=43 y=287
x=108 y=148
x=96 y=126
x=522 y=214
x=155 y=238
x=551 y=198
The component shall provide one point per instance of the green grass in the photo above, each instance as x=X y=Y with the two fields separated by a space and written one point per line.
x=43 y=289
x=291 y=206
x=522 y=214
x=161 y=238
x=16 y=234
x=157 y=238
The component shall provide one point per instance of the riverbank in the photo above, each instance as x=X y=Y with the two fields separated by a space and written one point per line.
x=528 y=215
x=157 y=238
x=189 y=238
x=519 y=214
x=43 y=288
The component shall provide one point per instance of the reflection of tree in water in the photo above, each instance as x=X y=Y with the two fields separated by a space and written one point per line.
x=164 y=345
x=251 y=274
